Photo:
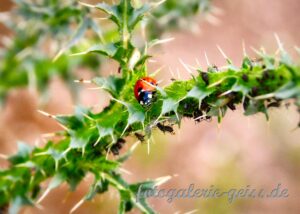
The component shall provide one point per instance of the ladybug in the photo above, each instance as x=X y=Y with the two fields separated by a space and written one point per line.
x=144 y=90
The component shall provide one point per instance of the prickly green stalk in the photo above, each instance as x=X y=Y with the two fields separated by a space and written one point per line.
x=40 y=26
x=89 y=138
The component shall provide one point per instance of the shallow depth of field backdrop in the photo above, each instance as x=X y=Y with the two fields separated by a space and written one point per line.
x=240 y=151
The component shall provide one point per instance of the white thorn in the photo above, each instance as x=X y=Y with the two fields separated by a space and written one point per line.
x=263 y=50
x=157 y=71
x=95 y=88
x=178 y=73
x=3 y=156
x=125 y=171
x=244 y=49
x=121 y=102
x=43 y=196
x=217 y=10
x=107 y=153
x=171 y=71
x=280 y=44
x=125 y=129
x=98 y=140
x=162 y=180
x=86 y=4
x=206 y=58
x=48 y=135
x=46 y=114
x=148 y=147
x=144 y=33
x=200 y=117
x=52 y=117
x=225 y=93
x=256 y=51
x=222 y=52
x=83 y=81
x=77 y=205
x=152 y=61
x=185 y=66
x=161 y=41
x=198 y=62
x=156 y=4
x=134 y=146
x=102 y=18
x=212 y=19
x=159 y=81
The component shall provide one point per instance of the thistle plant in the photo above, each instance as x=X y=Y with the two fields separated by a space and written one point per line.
x=39 y=29
x=91 y=142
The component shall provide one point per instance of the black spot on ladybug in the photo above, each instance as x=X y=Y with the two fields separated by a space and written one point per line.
x=146 y=97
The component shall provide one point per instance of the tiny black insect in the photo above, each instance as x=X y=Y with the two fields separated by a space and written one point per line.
x=245 y=77
x=275 y=104
x=115 y=149
x=140 y=137
x=205 y=77
x=164 y=128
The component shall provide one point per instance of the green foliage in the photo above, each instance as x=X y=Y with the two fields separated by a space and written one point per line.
x=89 y=138
x=173 y=14
x=38 y=27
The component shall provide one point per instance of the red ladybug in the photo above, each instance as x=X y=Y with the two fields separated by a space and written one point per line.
x=144 y=90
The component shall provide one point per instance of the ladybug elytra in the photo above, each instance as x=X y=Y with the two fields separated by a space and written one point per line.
x=144 y=90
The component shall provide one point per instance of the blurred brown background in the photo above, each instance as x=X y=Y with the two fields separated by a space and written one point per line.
x=241 y=151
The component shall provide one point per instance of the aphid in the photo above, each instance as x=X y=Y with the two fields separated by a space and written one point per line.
x=164 y=128
x=205 y=77
x=231 y=106
x=266 y=75
x=144 y=90
x=275 y=104
x=254 y=91
x=117 y=146
x=140 y=137
x=245 y=77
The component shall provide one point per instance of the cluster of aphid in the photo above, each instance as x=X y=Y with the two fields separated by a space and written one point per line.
x=145 y=91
